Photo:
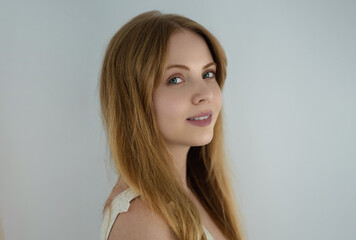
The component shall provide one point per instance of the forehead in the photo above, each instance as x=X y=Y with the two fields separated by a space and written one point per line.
x=187 y=47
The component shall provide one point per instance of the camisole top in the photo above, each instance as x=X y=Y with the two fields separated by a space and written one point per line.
x=120 y=204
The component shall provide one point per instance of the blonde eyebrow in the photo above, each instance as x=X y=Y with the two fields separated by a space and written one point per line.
x=208 y=65
x=187 y=68
x=178 y=66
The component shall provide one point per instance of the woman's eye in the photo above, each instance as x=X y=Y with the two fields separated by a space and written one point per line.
x=175 y=80
x=209 y=74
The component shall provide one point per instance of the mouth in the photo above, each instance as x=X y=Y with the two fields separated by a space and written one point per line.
x=202 y=119
x=201 y=116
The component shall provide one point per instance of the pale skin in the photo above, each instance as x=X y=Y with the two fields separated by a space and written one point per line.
x=188 y=88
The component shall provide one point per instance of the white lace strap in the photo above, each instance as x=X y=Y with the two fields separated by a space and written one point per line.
x=119 y=204
x=207 y=234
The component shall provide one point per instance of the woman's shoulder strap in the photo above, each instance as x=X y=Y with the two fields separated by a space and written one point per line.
x=120 y=204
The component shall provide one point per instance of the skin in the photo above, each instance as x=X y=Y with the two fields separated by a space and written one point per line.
x=183 y=92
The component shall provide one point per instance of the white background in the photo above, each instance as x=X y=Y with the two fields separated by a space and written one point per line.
x=289 y=109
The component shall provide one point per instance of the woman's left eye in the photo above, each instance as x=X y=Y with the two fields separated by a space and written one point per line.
x=209 y=74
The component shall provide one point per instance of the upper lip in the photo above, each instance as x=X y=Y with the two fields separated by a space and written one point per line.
x=203 y=114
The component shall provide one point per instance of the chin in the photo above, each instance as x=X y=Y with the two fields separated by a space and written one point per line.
x=202 y=140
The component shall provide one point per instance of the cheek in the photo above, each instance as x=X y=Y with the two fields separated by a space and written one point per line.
x=169 y=107
x=217 y=97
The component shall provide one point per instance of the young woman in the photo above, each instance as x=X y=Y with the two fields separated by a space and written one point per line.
x=160 y=93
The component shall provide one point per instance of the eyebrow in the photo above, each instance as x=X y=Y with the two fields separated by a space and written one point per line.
x=187 y=68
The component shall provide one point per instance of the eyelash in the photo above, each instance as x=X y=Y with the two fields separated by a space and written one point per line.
x=169 y=81
x=210 y=71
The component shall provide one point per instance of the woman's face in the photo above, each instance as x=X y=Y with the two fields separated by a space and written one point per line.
x=188 y=99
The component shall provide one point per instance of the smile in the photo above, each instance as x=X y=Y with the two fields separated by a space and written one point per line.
x=201 y=120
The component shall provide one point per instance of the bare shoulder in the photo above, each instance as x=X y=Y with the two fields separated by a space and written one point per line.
x=140 y=222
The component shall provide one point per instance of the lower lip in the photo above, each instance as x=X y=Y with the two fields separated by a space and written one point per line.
x=201 y=123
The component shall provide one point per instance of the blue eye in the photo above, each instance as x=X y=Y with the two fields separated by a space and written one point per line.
x=209 y=74
x=175 y=81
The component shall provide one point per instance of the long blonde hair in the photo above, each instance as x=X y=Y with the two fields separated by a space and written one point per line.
x=133 y=67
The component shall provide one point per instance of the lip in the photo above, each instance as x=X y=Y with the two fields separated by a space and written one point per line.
x=201 y=115
x=201 y=123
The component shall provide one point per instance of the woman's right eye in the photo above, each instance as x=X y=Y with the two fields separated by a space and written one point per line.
x=175 y=81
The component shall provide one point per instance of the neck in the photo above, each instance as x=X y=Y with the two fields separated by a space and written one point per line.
x=179 y=155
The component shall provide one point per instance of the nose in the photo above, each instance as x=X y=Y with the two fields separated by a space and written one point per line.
x=202 y=92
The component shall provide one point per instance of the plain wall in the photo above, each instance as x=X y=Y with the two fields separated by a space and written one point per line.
x=289 y=112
